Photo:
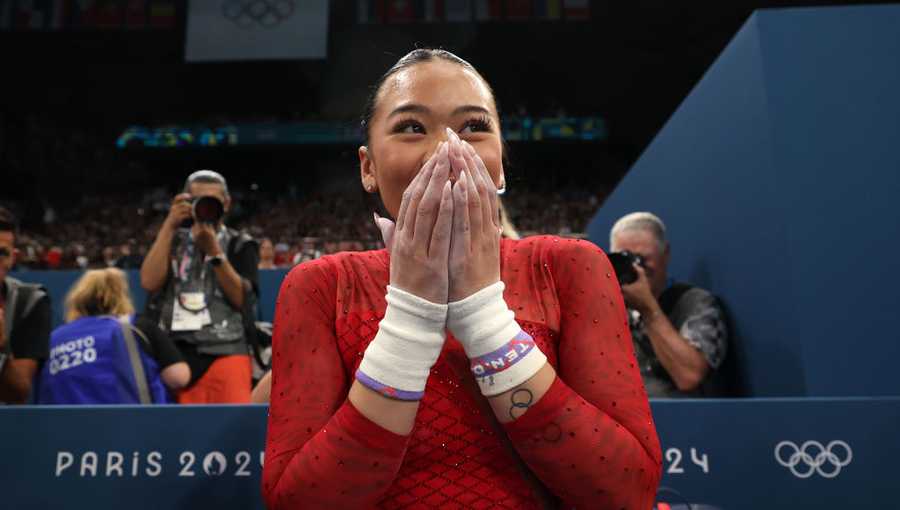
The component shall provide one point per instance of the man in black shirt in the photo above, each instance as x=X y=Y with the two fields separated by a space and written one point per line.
x=203 y=281
x=24 y=323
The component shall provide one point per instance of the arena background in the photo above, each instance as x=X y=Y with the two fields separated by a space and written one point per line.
x=102 y=117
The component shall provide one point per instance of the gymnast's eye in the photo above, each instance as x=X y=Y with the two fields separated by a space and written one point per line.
x=477 y=124
x=408 y=126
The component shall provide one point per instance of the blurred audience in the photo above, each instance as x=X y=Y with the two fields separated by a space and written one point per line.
x=106 y=355
x=128 y=259
x=117 y=229
x=267 y=254
x=509 y=230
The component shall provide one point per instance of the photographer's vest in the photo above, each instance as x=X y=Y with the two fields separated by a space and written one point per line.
x=657 y=380
x=190 y=273
x=21 y=298
x=89 y=364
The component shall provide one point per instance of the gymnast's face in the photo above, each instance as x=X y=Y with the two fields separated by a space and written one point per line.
x=412 y=111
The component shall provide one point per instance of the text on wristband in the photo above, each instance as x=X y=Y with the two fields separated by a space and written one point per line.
x=504 y=357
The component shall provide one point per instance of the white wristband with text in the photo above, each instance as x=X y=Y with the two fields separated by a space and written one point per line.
x=501 y=355
x=409 y=340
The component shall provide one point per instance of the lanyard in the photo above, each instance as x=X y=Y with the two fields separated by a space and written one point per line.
x=184 y=264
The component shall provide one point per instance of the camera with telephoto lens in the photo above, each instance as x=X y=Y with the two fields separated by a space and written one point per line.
x=206 y=209
x=623 y=263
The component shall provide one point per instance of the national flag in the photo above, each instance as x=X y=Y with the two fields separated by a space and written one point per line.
x=518 y=10
x=488 y=10
x=547 y=9
x=370 y=11
x=400 y=11
x=162 y=14
x=109 y=14
x=30 y=14
x=577 y=9
x=432 y=10
x=136 y=14
x=458 y=10
x=58 y=15
x=81 y=14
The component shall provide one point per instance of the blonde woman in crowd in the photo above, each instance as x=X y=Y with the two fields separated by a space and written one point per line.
x=92 y=360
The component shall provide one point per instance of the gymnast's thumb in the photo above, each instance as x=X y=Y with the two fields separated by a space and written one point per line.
x=386 y=227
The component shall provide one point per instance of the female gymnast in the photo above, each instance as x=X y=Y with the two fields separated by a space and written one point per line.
x=453 y=369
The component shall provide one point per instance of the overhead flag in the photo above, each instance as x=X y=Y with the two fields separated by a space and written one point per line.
x=57 y=19
x=110 y=14
x=432 y=10
x=370 y=11
x=547 y=9
x=136 y=14
x=162 y=13
x=518 y=10
x=400 y=11
x=30 y=14
x=577 y=9
x=458 y=10
x=83 y=14
x=254 y=30
x=488 y=10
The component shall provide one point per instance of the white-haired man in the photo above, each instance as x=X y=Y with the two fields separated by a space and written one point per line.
x=679 y=331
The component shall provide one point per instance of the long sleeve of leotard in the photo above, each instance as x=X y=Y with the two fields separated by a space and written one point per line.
x=591 y=439
x=320 y=451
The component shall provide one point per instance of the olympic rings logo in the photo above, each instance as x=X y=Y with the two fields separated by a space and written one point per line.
x=812 y=457
x=265 y=13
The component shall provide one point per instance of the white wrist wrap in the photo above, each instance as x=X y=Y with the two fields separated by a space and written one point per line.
x=502 y=356
x=409 y=340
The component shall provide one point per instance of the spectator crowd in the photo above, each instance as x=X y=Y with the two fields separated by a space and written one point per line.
x=116 y=230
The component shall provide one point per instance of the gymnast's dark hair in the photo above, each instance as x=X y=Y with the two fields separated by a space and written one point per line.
x=412 y=58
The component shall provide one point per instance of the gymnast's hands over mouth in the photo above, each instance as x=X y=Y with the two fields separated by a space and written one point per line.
x=456 y=224
x=419 y=242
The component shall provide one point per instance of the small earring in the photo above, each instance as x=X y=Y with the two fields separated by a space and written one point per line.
x=502 y=189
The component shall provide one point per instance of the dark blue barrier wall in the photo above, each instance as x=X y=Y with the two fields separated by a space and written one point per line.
x=778 y=178
x=59 y=282
x=835 y=453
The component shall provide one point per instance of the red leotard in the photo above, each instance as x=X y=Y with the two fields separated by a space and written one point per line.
x=590 y=440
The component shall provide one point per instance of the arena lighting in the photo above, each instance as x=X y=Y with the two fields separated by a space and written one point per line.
x=515 y=129
x=176 y=136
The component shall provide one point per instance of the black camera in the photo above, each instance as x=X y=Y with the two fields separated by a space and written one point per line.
x=623 y=263
x=206 y=209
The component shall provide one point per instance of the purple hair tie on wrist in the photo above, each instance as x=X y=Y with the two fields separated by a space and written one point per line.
x=386 y=390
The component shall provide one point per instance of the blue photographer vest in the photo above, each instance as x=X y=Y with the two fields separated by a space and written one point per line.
x=89 y=364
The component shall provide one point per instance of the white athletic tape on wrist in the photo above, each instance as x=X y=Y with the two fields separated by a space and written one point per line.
x=501 y=355
x=409 y=340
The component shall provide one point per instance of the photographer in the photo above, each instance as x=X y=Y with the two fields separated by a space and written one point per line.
x=679 y=330
x=24 y=322
x=106 y=355
x=203 y=280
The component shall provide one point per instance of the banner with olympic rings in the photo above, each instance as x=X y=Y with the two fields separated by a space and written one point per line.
x=717 y=454
x=256 y=30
